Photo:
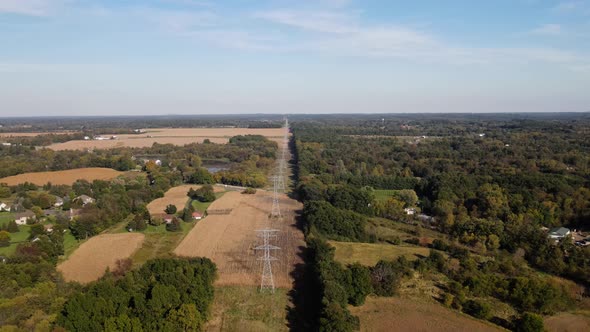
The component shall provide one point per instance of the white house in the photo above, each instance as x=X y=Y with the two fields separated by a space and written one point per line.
x=4 y=207
x=21 y=218
x=410 y=211
x=58 y=201
x=85 y=199
x=559 y=233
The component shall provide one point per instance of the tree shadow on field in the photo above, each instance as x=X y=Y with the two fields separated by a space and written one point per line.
x=304 y=295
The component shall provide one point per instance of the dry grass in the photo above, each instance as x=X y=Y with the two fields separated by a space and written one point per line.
x=568 y=322
x=370 y=253
x=244 y=308
x=176 y=136
x=175 y=196
x=63 y=177
x=398 y=314
x=90 y=260
x=229 y=240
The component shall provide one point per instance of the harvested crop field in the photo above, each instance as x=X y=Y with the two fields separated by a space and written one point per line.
x=63 y=177
x=90 y=260
x=567 y=322
x=397 y=314
x=229 y=239
x=175 y=196
x=370 y=253
x=176 y=136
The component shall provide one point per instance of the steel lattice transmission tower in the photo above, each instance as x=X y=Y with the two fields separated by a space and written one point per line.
x=267 y=281
x=276 y=210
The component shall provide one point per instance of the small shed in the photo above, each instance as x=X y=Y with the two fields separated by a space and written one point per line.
x=197 y=215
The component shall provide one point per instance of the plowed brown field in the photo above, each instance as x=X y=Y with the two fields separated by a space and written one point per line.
x=175 y=196
x=229 y=240
x=90 y=260
x=176 y=136
x=62 y=177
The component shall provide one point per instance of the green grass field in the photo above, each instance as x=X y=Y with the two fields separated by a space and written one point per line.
x=6 y=217
x=202 y=206
x=159 y=242
x=383 y=195
x=244 y=308
x=16 y=238
x=370 y=253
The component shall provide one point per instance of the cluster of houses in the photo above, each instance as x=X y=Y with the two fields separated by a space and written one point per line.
x=22 y=217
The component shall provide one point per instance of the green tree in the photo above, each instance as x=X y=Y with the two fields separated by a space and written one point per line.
x=170 y=209
x=4 y=239
x=12 y=227
x=360 y=284
x=185 y=318
x=529 y=322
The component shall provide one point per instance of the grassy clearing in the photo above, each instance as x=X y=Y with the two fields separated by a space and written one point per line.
x=159 y=242
x=15 y=238
x=70 y=244
x=370 y=253
x=244 y=308
x=388 y=230
x=203 y=206
x=383 y=194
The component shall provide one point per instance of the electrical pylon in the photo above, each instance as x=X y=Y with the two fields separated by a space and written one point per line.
x=267 y=282
x=276 y=210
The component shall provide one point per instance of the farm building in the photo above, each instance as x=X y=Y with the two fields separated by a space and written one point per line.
x=21 y=218
x=559 y=233
x=197 y=215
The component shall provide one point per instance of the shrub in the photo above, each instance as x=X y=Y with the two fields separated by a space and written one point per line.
x=249 y=191
x=171 y=209
x=477 y=309
x=529 y=323
x=174 y=225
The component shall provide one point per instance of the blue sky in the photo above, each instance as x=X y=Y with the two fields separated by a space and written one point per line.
x=83 y=57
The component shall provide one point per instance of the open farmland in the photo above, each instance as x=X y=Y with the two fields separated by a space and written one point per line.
x=370 y=253
x=176 y=136
x=66 y=177
x=568 y=322
x=398 y=314
x=229 y=239
x=175 y=196
x=90 y=260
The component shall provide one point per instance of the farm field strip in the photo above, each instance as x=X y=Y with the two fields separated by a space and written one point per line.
x=229 y=240
x=176 y=136
x=89 y=261
x=399 y=314
x=175 y=196
x=370 y=253
x=66 y=177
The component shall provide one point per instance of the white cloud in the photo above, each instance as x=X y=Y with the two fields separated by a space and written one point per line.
x=568 y=6
x=547 y=30
x=30 y=7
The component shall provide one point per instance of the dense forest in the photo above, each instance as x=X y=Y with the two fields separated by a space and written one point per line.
x=493 y=184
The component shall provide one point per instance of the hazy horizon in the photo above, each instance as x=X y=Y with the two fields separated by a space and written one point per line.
x=188 y=57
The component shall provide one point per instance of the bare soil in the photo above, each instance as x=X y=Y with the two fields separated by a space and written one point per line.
x=229 y=240
x=90 y=260
x=63 y=177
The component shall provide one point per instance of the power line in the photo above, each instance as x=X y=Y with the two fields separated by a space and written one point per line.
x=267 y=282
